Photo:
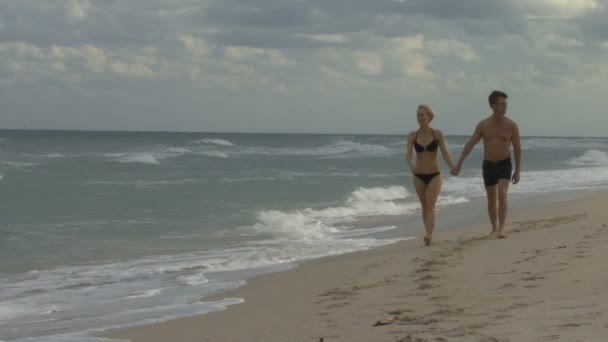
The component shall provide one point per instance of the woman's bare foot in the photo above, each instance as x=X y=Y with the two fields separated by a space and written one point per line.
x=497 y=235
x=427 y=241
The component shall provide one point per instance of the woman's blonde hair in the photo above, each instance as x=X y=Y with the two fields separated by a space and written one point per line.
x=428 y=111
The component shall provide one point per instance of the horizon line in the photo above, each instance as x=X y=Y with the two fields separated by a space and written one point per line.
x=243 y=132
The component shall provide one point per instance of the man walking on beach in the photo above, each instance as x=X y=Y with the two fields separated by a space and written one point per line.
x=498 y=133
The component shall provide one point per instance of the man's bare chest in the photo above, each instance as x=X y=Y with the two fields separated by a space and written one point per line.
x=497 y=132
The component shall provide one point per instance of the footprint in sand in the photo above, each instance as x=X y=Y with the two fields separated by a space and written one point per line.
x=398 y=312
x=418 y=259
x=500 y=273
x=425 y=286
x=411 y=338
x=447 y=311
x=426 y=277
x=553 y=271
x=532 y=278
x=459 y=332
x=336 y=292
x=572 y=325
x=331 y=324
x=407 y=320
x=516 y=307
x=588 y=237
x=547 y=223
x=492 y=339
x=502 y=316
x=508 y=286
x=375 y=265
x=423 y=269
x=403 y=319
x=336 y=305
x=340 y=295
x=580 y=256
x=434 y=262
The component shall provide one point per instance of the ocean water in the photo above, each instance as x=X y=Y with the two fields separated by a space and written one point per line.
x=107 y=229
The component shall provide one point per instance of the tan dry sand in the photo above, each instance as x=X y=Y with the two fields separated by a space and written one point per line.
x=547 y=281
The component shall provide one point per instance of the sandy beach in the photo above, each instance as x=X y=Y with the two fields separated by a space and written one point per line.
x=547 y=281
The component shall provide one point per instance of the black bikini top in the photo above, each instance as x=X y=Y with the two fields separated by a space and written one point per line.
x=431 y=147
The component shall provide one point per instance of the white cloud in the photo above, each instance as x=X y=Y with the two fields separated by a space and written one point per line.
x=370 y=62
x=455 y=81
x=56 y=60
x=409 y=43
x=196 y=46
x=325 y=49
x=557 y=9
x=78 y=8
x=573 y=6
x=551 y=39
x=409 y=53
x=452 y=47
x=273 y=56
x=416 y=65
x=236 y=71
x=329 y=38
x=332 y=73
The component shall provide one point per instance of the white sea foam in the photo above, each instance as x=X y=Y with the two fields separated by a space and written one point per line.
x=216 y=154
x=563 y=143
x=63 y=299
x=590 y=158
x=323 y=223
x=219 y=142
x=138 y=157
x=341 y=148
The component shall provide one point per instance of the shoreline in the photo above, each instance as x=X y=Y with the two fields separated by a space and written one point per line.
x=337 y=297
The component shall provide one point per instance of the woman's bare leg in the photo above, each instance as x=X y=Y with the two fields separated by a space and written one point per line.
x=432 y=194
x=421 y=191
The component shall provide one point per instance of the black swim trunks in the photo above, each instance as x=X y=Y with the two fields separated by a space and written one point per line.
x=495 y=170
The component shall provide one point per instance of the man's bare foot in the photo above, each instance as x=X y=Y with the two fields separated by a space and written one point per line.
x=501 y=235
x=427 y=241
x=493 y=235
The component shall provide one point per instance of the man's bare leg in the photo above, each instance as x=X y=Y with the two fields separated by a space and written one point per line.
x=503 y=206
x=491 y=192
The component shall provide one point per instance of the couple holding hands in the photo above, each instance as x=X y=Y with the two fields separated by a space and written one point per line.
x=498 y=133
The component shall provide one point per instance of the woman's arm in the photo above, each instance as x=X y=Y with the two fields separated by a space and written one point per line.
x=410 y=151
x=444 y=150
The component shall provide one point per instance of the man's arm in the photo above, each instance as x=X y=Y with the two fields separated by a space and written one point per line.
x=516 y=139
x=473 y=140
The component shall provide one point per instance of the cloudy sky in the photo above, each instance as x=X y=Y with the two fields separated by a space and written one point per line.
x=343 y=66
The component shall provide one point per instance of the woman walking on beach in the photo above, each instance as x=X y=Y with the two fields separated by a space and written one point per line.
x=427 y=177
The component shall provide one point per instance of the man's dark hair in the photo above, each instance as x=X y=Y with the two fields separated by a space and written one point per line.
x=495 y=95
